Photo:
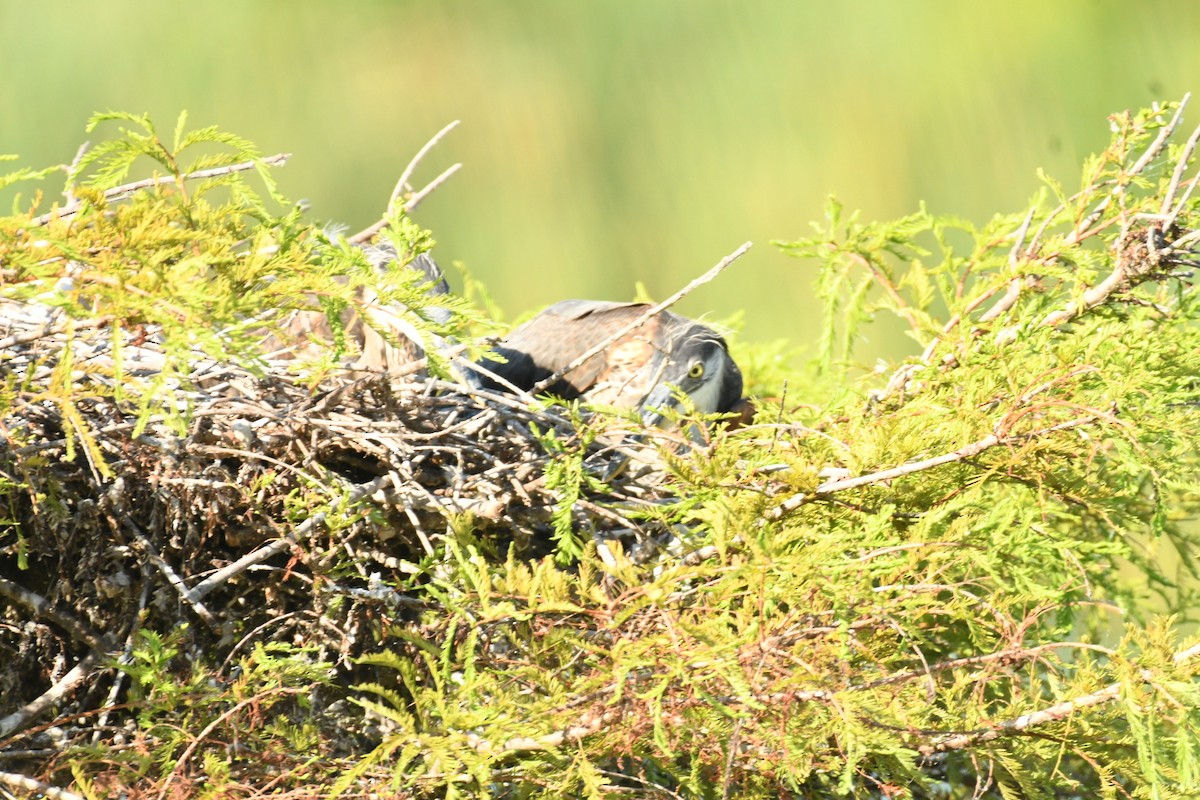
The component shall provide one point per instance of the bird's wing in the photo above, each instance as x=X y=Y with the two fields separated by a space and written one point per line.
x=560 y=334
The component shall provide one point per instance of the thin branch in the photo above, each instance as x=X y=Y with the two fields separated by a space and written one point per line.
x=169 y=573
x=368 y=233
x=585 y=727
x=653 y=311
x=50 y=697
x=69 y=193
x=212 y=726
x=420 y=195
x=25 y=784
x=76 y=628
x=1177 y=175
x=967 y=451
x=119 y=192
x=402 y=184
x=1054 y=713
x=1083 y=229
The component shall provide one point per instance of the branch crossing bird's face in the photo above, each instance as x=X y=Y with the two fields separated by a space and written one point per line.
x=696 y=366
x=664 y=364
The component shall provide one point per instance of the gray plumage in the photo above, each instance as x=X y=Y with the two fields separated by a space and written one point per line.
x=645 y=368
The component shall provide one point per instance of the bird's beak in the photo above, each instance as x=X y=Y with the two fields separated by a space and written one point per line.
x=662 y=398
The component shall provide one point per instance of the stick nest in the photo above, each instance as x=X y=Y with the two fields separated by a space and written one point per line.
x=284 y=504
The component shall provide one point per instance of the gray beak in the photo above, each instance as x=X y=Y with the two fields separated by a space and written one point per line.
x=661 y=399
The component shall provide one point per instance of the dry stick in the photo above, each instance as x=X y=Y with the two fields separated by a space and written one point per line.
x=124 y=659
x=1014 y=286
x=171 y=575
x=567 y=735
x=368 y=233
x=1080 y=231
x=1120 y=274
x=48 y=698
x=1095 y=296
x=227 y=572
x=1054 y=713
x=1151 y=152
x=42 y=609
x=277 y=160
x=44 y=332
x=79 y=154
x=23 y=783
x=1169 y=222
x=965 y=452
x=716 y=270
x=417 y=197
x=412 y=165
x=1177 y=175
x=190 y=750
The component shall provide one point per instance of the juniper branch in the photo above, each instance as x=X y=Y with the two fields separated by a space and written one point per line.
x=120 y=192
x=1054 y=713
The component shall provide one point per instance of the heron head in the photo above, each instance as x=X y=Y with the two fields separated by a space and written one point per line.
x=697 y=366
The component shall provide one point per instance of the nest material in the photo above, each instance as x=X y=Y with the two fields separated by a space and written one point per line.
x=281 y=497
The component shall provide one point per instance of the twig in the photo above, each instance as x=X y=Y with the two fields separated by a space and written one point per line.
x=584 y=727
x=278 y=546
x=43 y=332
x=965 y=452
x=50 y=697
x=212 y=726
x=69 y=192
x=368 y=233
x=124 y=659
x=118 y=192
x=1054 y=713
x=169 y=573
x=1169 y=222
x=36 y=787
x=420 y=195
x=716 y=270
x=402 y=184
x=1083 y=228
x=77 y=629
x=1180 y=168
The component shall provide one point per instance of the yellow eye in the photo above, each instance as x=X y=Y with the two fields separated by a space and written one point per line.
x=696 y=370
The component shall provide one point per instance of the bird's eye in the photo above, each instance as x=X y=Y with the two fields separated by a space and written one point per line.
x=696 y=370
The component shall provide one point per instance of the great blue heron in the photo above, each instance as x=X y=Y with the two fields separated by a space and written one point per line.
x=651 y=368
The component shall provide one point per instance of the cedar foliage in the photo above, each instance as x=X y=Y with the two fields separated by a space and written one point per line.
x=940 y=579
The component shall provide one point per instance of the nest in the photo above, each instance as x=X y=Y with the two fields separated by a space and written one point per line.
x=284 y=508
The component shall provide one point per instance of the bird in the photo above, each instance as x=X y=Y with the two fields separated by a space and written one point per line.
x=651 y=368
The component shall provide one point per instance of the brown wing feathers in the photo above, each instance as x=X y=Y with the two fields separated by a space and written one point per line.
x=555 y=337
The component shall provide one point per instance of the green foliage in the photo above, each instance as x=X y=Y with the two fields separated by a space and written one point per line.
x=938 y=581
x=262 y=701
x=895 y=580
x=195 y=255
x=565 y=474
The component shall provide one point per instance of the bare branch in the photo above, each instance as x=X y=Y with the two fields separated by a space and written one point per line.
x=52 y=696
x=15 y=781
x=42 y=609
x=402 y=186
x=967 y=451
x=1054 y=713
x=120 y=192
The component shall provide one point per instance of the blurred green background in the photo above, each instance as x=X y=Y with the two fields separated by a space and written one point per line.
x=609 y=143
